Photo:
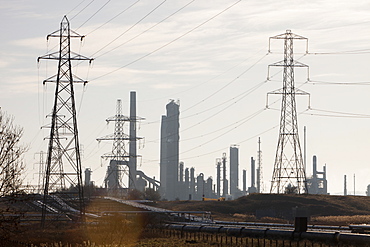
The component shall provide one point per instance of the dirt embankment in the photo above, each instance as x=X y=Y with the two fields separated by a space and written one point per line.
x=276 y=206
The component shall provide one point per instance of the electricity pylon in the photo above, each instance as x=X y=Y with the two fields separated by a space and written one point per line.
x=118 y=156
x=289 y=174
x=63 y=173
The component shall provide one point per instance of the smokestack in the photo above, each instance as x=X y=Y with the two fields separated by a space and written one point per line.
x=186 y=181
x=224 y=187
x=87 y=176
x=192 y=183
x=354 y=184
x=218 y=178
x=253 y=170
x=345 y=185
x=314 y=166
x=132 y=144
x=234 y=169
x=245 y=182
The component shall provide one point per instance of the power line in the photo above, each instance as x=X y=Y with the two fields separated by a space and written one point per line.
x=242 y=95
x=167 y=44
x=148 y=29
x=362 y=51
x=75 y=7
x=219 y=90
x=244 y=120
x=94 y=14
x=119 y=36
x=315 y=82
x=206 y=81
x=120 y=13
x=82 y=10
x=238 y=143
x=339 y=114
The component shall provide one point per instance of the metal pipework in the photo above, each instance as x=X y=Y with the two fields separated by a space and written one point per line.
x=336 y=237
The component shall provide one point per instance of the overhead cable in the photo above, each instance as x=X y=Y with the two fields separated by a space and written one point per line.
x=119 y=36
x=147 y=29
x=167 y=44
x=94 y=14
x=114 y=17
x=82 y=10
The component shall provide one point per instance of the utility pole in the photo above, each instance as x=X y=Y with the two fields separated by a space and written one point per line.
x=63 y=163
x=288 y=166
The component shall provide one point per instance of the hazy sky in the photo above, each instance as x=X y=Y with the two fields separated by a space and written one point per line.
x=212 y=57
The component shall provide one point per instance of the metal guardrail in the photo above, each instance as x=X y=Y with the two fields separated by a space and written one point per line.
x=327 y=237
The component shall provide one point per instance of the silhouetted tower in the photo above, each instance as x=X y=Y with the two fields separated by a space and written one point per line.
x=41 y=183
x=345 y=185
x=63 y=163
x=133 y=141
x=288 y=167
x=118 y=157
x=187 y=182
x=224 y=180
x=259 y=168
x=169 y=154
x=234 y=170
x=88 y=176
x=181 y=175
x=218 y=178
x=192 y=184
x=244 y=182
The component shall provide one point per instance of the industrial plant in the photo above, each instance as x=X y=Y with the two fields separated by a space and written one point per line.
x=178 y=182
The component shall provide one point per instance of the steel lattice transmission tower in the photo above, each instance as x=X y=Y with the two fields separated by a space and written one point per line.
x=118 y=156
x=122 y=162
x=63 y=173
x=289 y=172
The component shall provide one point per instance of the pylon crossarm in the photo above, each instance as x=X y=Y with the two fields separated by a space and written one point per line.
x=112 y=137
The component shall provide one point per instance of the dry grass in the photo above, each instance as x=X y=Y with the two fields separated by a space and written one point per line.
x=340 y=220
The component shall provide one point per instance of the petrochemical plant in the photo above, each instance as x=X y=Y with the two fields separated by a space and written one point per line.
x=178 y=182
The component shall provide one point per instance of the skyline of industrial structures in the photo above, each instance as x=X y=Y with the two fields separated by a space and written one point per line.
x=213 y=58
x=178 y=182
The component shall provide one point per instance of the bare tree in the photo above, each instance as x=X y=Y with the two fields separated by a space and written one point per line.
x=11 y=155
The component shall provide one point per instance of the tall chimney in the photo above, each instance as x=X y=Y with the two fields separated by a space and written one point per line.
x=224 y=187
x=253 y=171
x=132 y=144
x=245 y=182
x=218 y=178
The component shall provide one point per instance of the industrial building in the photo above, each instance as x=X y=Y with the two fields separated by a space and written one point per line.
x=123 y=164
x=178 y=182
x=317 y=184
x=169 y=152
x=234 y=171
x=252 y=189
